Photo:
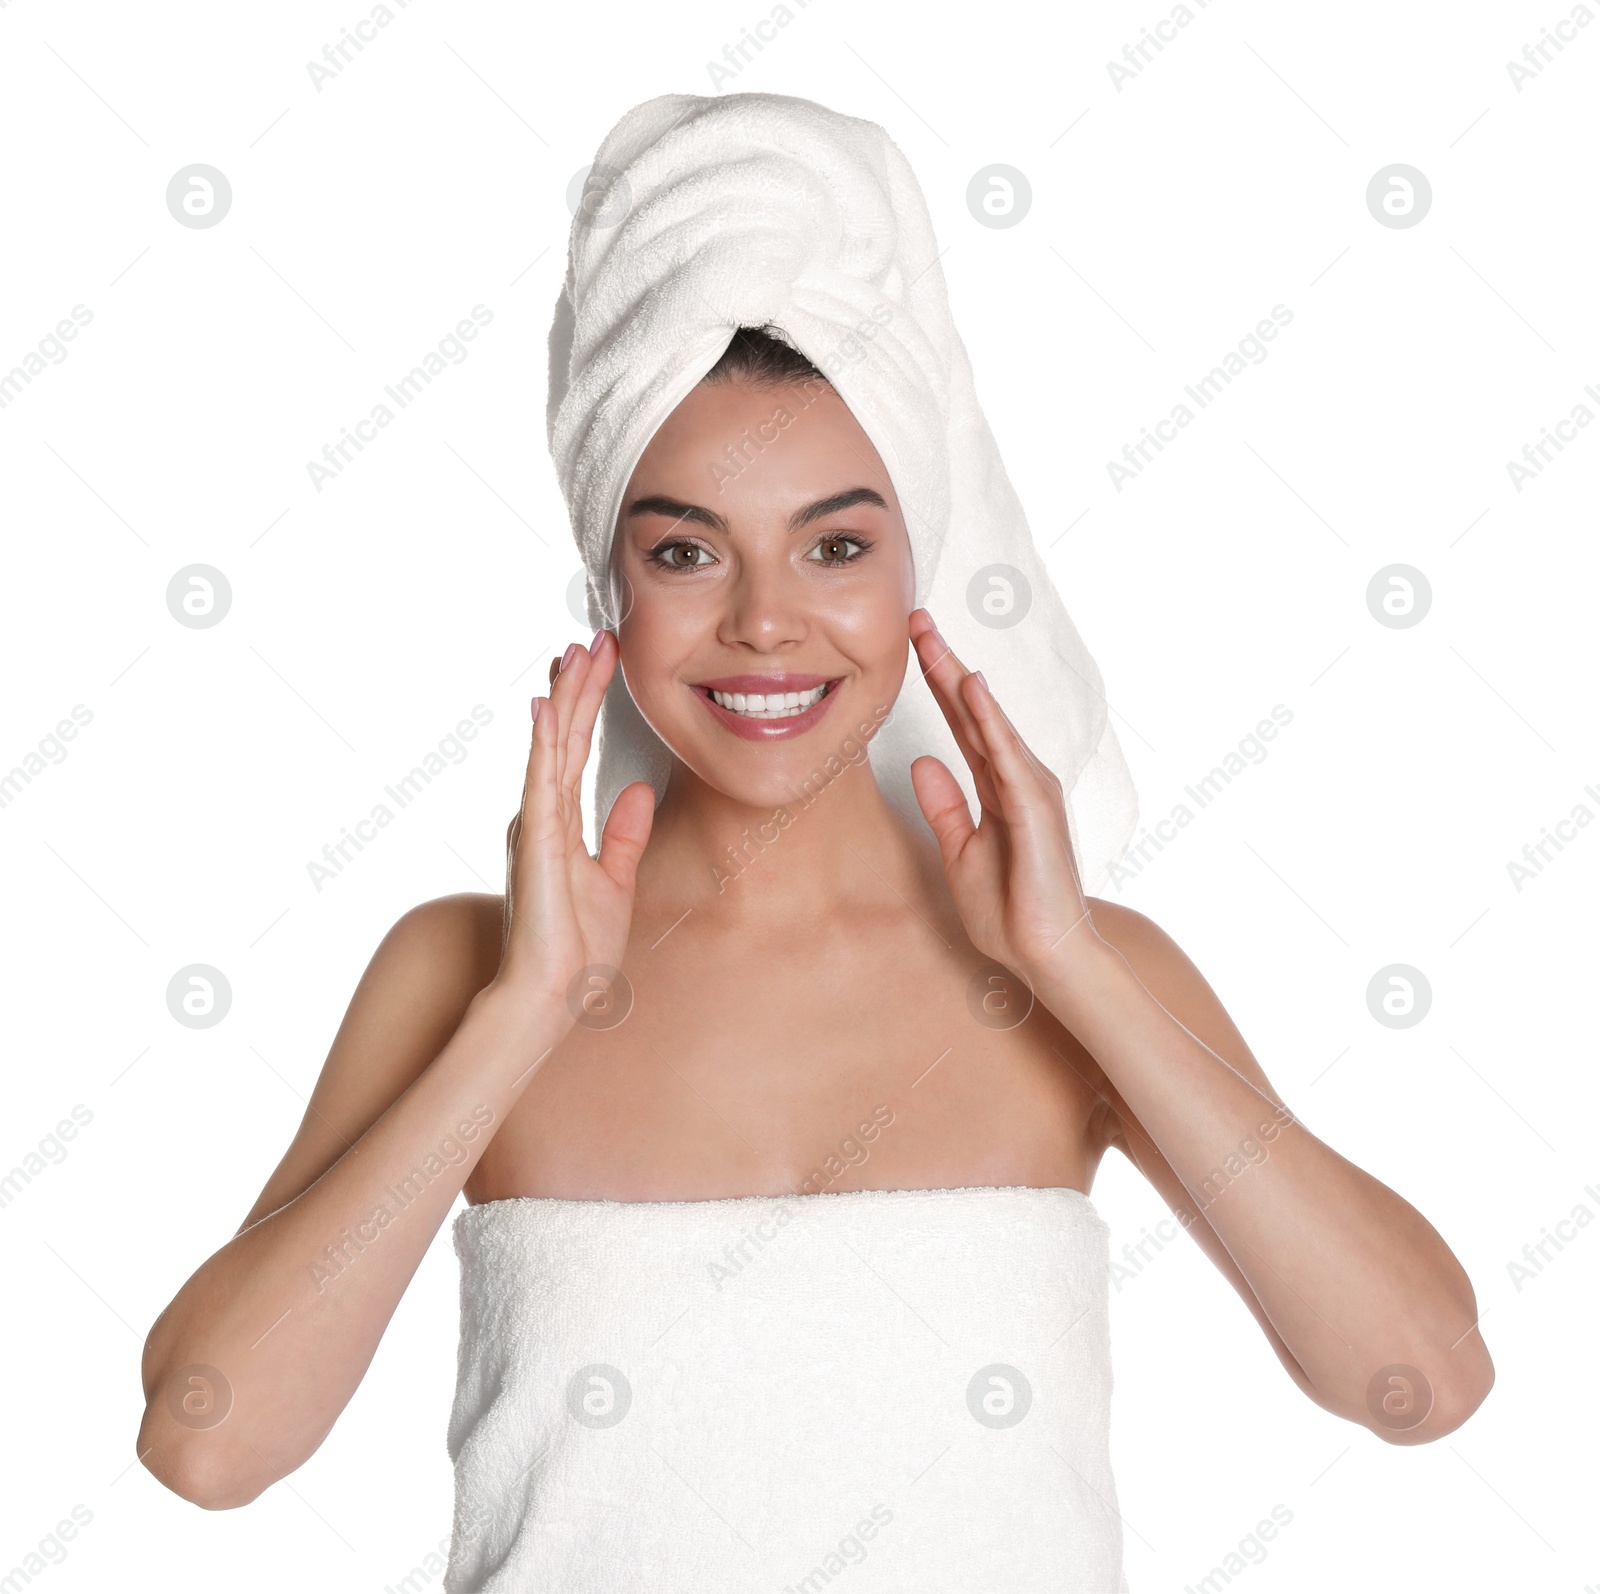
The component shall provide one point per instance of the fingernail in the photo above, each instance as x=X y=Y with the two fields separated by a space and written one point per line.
x=594 y=645
x=981 y=682
x=570 y=654
x=535 y=708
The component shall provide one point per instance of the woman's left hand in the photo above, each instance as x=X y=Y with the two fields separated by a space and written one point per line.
x=1013 y=875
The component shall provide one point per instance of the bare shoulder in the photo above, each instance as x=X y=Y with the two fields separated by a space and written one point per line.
x=1166 y=970
x=1129 y=930
x=410 y=999
x=434 y=959
x=447 y=943
x=1171 y=976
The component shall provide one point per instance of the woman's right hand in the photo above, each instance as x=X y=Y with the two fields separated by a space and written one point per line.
x=566 y=910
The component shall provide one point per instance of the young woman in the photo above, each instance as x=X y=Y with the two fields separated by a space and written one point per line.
x=855 y=1006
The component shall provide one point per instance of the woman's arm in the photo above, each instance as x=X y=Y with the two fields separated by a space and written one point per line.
x=1367 y=1307
x=247 y=1369
x=249 y=1366
x=1360 y=1292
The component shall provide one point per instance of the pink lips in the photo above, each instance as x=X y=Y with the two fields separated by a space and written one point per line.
x=759 y=730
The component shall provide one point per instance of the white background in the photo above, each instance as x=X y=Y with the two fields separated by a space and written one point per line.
x=1168 y=217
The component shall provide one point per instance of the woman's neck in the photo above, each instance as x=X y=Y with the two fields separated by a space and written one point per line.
x=826 y=849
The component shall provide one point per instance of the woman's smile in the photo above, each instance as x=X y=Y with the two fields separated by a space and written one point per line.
x=768 y=708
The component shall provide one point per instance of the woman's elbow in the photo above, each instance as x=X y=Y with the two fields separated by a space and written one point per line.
x=1406 y=1408
x=200 y=1473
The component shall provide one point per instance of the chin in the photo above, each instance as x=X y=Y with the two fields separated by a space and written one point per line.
x=767 y=792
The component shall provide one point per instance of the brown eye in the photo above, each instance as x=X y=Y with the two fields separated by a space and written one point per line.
x=679 y=556
x=834 y=550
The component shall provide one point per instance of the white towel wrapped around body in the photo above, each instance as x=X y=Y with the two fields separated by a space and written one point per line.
x=707 y=213
x=906 y=1391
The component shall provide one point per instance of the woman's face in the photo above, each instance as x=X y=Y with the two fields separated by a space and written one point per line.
x=760 y=553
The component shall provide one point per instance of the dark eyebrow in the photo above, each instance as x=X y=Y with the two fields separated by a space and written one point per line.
x=658 y=504
x=832 y=506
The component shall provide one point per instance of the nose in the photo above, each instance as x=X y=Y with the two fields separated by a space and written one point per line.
x=765 y=612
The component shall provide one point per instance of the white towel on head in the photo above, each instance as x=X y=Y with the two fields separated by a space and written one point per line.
x=707 y=213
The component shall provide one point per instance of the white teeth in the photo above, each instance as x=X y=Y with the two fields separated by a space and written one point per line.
x=770 y=705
